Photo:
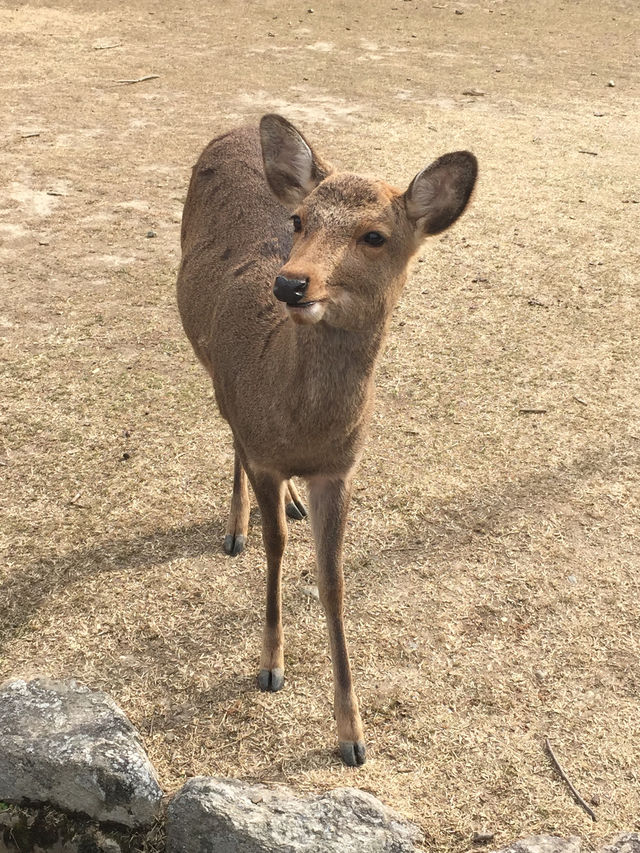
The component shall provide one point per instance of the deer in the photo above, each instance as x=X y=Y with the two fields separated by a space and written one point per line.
x=289 y=274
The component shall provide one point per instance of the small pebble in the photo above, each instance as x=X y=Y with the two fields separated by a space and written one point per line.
x=611 y=84
x=151 y=234
x=482 y=837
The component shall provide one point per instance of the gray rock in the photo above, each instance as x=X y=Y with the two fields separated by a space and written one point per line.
x=543 y=844
x=64 y=744
x=628 y=842
x=229 y=816
x=42 y=831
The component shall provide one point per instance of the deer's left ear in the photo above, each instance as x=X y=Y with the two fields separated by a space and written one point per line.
x=439 y=194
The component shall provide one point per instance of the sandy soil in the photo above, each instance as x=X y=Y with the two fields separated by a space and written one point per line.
x=492 y=554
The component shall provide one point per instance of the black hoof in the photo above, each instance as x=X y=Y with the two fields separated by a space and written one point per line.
x=296 y=510
x=271 y=679
x=234 y=544
x=353 y=754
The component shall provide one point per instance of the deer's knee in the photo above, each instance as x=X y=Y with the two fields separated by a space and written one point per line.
x=275 y=540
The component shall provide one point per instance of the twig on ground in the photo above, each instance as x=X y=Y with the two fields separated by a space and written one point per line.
x=584 y=151
x=74 y=502
x=565 y=778
x=107 y=46
x=139 y=79
x=393 y=550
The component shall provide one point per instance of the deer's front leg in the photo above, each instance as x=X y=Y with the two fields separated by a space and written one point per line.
x=329 y=501
x=269 y=490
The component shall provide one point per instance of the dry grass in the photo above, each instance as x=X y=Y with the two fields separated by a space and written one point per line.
x=492 y=556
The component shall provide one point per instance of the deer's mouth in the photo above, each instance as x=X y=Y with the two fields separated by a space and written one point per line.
x=306 y=313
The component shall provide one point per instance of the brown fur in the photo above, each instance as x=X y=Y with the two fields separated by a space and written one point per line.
x=295 y=383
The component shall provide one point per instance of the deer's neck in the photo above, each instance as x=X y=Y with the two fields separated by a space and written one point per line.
x=331 y=371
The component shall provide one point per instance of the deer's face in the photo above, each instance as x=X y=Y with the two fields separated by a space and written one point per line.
x=350 y=250
x=353 y=237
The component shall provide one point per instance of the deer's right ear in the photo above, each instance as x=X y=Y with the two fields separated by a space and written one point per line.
x=291 y=167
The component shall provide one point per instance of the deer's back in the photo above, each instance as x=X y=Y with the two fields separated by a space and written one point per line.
x=235 y=236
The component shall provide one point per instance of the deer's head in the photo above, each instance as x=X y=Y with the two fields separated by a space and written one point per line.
x=353 y=236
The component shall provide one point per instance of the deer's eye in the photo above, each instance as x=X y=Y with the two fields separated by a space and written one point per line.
x=373 y=238
x=297 y=222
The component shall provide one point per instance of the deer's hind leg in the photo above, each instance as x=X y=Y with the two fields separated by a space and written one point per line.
x=270 y=491
x=294 y=508
x=238 y=524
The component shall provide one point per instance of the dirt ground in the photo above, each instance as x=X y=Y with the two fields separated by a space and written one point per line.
x=492 y=555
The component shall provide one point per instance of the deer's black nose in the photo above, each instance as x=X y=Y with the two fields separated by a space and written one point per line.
x=290 y=290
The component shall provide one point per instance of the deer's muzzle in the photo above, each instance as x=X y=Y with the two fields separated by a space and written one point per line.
x=290 y=290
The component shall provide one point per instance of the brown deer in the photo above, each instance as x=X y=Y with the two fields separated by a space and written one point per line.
x=290 y=271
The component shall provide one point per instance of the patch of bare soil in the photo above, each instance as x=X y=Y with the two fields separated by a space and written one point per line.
x=492 y=558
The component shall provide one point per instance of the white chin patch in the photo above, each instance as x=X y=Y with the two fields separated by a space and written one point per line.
x=306 y=315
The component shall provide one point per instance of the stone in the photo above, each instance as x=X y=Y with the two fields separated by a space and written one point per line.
x=46 y=831
x=543 y=844
x=64 y=744
x=628 y=842
x=210 y=815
